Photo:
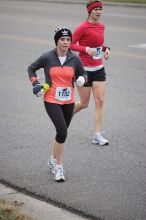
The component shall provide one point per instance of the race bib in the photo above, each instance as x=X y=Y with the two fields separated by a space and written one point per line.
x=98 y=51
x=63 y=94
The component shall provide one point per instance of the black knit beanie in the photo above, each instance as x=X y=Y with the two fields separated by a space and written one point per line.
x=62 y=32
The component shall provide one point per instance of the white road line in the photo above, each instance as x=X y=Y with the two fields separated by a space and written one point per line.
x=129 y=55
x=139 y=46
x=125 y=16
x=47 y=42
x=126 y=29
x=25 y=39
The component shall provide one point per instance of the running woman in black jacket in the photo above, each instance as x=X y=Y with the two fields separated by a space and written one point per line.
x=61 y=68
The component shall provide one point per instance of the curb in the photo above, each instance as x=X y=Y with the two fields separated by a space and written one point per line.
x=36 y=208
x=60 y=207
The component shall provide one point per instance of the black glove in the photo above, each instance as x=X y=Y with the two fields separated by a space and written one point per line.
x=36 y=88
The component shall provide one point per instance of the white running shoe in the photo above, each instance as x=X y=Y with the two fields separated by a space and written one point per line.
x=59 y=173
x=98 y=139
x=51 y=164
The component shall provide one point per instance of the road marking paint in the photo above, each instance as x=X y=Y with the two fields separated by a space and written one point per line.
x=124 y=29
x=129 y=55
x=125 y=16
x=48 y=42
x=25 y=39
x=139 y=46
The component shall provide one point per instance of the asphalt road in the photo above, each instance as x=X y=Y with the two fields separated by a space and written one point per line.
x=107 y=183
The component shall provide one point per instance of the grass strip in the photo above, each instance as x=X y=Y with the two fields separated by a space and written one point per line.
x=12 y=211
x=127 y=1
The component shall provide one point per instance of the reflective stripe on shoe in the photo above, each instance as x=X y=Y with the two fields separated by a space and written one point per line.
x=99 y=139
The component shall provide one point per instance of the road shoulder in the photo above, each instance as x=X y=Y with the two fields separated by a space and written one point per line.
x=35 y=208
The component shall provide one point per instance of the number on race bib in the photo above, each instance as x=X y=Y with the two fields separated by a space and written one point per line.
x=63 y=94
x=98 y=51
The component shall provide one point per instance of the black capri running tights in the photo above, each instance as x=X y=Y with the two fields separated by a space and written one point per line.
x=61 y=116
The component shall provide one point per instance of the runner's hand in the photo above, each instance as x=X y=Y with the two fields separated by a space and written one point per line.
x=36 y=88
x=107 y=53
x=91 y=51
x=80 y=81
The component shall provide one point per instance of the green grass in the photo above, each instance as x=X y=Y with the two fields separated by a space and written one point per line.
x=127 y=1
x=124 y=1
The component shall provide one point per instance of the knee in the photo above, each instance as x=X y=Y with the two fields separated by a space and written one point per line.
x=99 y=102
x=61 y=136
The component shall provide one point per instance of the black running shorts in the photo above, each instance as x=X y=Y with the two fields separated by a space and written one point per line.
x=98 y=75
